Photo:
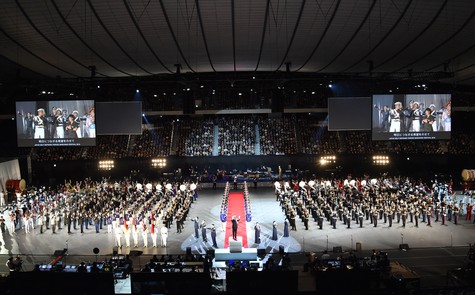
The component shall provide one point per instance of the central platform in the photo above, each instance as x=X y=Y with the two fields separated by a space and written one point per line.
x=247 y=254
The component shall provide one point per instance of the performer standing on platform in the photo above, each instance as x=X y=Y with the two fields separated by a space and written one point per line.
x=213 y=236
x=257 y=233
x=235 y=226
x=286 y=228
x=274 y=231
x=203 y=231
x=197 y=225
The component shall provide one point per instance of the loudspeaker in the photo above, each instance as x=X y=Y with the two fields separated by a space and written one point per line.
x=188 y=251
x=281 y=250
x=261 y=252
x=404 y=247
x=210 y=252
x=337 y=249
x=115 y=250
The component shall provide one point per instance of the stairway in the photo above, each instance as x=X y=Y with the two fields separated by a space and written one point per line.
x=215 y=140
x=257 y=147
x=174 y=139
x=130 y=145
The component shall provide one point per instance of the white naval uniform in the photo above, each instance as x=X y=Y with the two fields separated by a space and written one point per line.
x=118 y=235
x=163 y=236
x=127 y=234
x=416 y=123
x=395 y=121
x=135 y=235
x=39 y=128
x=60 y=127
x=144 y=228
x=2 y=199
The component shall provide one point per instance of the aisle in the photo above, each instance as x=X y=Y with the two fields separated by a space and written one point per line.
x=236 y=208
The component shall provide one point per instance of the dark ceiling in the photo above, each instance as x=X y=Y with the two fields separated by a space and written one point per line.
x=122 y=38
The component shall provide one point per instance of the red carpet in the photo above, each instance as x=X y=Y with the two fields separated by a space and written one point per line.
x=236 y=208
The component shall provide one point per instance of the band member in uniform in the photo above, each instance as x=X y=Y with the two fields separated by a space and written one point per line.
x=77 y=119
x=118 y=235
x=446 y=117
x=396 y=116
x=153 y=232
x=197 y=226
x=163 y=236
x=434 y=114
x=91 y=123
x=59 y=122
x=286 y=228
x=144 y=227
x=274 y=231
x=126 y=233
x=257 y=233
x=203 y=231
x=416 y=117
x=40 y=124
x=134 y=230
x=213 y=236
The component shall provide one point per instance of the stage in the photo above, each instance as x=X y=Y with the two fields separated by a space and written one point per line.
x=39 y=248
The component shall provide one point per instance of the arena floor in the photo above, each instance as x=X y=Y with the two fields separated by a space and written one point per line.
x=265 y=210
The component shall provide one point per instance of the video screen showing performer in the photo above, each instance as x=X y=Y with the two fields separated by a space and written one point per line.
x=411 y=116
x=56 y=123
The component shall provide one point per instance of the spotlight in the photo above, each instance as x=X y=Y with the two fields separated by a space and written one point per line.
x=159 y=163
x=106 y=165
x=98 y=86
x=137 y=90
x=143 y=115
x=330 y=85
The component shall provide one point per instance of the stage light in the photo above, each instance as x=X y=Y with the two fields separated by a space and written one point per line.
x=143 y=115
x=327 y=160
x=106 y=165
x=313 y=92
x=159 y=163
x=43 y=92
x=98 y=86
x=137 y=90
x=155 y=95
x=381 y=160
x=239 y=93
x=330 y=85
x=202 y=86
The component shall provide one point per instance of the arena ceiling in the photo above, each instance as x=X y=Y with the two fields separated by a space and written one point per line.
x=125 y=38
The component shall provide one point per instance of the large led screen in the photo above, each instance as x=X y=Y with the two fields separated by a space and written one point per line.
x=411 y=116
x=56 y=123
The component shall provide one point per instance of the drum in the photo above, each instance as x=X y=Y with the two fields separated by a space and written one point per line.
x=468 y=175
x=15 y=185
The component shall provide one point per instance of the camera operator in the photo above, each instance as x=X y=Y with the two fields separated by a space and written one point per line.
x=14 y=264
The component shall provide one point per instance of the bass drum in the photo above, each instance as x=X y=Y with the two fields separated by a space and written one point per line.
x=15 y=185
x=468 y=175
